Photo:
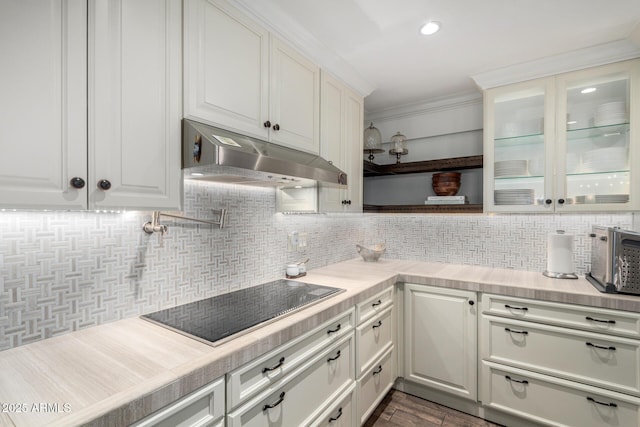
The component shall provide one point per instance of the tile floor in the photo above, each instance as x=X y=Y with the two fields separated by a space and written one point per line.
x=401 y=409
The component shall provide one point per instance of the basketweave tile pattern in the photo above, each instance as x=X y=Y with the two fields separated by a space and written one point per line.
x=516 y=241
x=63 y=271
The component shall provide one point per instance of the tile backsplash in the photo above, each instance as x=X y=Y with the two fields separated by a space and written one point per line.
x=63 y=271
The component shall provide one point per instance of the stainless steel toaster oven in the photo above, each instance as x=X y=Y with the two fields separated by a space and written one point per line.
x=615 y=260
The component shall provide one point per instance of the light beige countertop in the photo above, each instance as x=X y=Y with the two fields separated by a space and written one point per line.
x=113 y=374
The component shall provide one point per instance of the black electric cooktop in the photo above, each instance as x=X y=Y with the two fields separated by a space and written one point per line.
x=215 y=320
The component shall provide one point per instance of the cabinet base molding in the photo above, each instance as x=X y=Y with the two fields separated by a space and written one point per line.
x=459 y=404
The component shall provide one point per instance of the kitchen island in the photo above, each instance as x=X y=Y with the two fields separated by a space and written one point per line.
x=120 y=372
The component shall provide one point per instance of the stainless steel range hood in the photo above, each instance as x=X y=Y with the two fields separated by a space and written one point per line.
x=214 y=154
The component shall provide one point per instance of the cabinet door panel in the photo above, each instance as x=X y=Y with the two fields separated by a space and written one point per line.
x=135 y=99
x=226 y=67
x=294 y=99
x=42 y=103
x=440 y=343
x=332 y=139
x=354 y=118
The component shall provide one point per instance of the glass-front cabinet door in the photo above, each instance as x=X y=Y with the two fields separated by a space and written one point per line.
x=564 y=143
x=518 y=137
x=597 y=140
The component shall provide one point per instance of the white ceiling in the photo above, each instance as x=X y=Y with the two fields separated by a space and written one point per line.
x=377 y=42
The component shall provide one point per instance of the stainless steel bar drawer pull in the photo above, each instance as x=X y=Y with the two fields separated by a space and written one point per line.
x=604 y=347
x=336 y=357
x=510 y=307
x=378 y=370
x=591 y=399
x=516 y=381
x=280 y=363
x=377 y=303
x=513 y=331
x=274 y=404
x=332 y=419
x=377 y=325
x=612 y=322
x=333 y=331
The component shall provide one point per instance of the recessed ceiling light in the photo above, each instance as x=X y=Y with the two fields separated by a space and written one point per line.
x=429 y=28
x=196 y=174
x=588 y=90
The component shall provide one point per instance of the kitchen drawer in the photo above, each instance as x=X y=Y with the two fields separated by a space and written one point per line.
x=556 y=402
x=252 y=378
x=341 y=413
x=593 y=319
x=602 y=360
x=300 y=397
x=373 y=338
x=202 y=407
x=374 y=385
x=374 y=305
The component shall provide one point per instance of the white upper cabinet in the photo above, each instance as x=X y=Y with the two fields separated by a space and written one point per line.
x=564 y=143
x=341 y=143
x=90 y=104
x=294 y=101
x=135 y=97
x=241 y=78
x=43 y=104
x=226 y=62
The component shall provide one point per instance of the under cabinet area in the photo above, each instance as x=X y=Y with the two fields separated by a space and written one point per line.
x=103 y=81
x=563 y=143
x=240 y=77
x=535 y=353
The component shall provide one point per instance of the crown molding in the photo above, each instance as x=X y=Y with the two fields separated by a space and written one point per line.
x=417 y=109
x=607 y=53
x=271 y=16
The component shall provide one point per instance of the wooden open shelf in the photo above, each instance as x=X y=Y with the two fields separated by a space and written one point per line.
x=440 y=165
x=423 y=209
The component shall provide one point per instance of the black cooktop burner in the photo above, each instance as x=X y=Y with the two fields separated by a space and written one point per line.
x=214 y=319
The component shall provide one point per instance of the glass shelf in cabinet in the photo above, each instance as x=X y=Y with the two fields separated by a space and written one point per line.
x=533 y=138
x=523 y=178
x=597 y=174
x=598 y=131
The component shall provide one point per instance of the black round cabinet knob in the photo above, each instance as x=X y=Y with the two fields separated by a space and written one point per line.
x=77 y=182
x=104 y=184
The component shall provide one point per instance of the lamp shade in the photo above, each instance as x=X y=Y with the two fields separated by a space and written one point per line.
x=372 y=138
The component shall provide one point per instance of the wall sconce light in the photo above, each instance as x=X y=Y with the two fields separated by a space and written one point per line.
x=398 y=141
x=372 y=141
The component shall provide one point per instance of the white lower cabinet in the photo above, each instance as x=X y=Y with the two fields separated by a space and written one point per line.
x=536 y=355
x=373 y=385
x=254 y=377
x=342 y=413
x=203 y=407
x=375 y=366
x=440 y=327
x=299 y=398
x=553 y=401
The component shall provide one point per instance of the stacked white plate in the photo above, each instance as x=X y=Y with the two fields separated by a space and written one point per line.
x=605 y=159
x=523 y=196
x=611 y=113
x=612 y=198
x=602 y=198
x=510 y=168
